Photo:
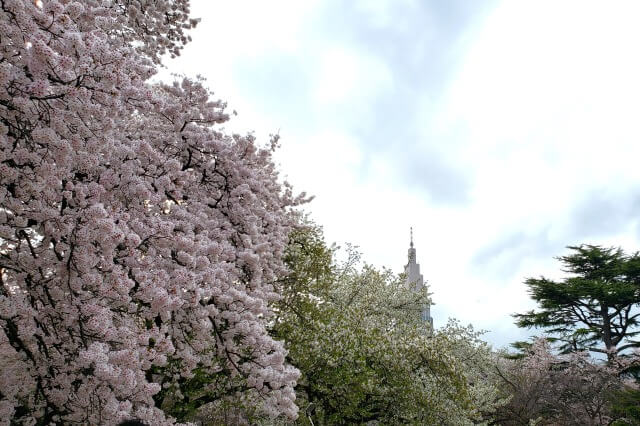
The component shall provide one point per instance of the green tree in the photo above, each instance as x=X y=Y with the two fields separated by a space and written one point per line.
x=363 y=352
x=355 y=334
x=593 y=308
x=626 y=406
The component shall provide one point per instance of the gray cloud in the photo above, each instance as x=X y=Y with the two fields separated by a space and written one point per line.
x=433 y=174
x=422 y=42
x=601 y=213
x=505 y=255
x=420 y=45
x=598 y=214
x=422 y=50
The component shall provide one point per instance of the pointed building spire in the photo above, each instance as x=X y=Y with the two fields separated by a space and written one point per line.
x=411 y=232
x=414 y=279
x=412 y=251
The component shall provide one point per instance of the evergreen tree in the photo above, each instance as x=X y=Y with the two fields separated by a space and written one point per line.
x=593 y=308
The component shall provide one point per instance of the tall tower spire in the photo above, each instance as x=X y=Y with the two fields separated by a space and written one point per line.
x=412 y=256
x=411 y=232
x=414 y=278
x=412 y=270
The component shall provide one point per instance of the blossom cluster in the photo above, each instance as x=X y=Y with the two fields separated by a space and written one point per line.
x=138 y=243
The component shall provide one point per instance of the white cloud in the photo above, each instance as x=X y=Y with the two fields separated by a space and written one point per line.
x=548 y=97
x=385 y=13
x=547 y=100
x=344 y=75
x=243 y=27
x=540 y=112
x=553 y=85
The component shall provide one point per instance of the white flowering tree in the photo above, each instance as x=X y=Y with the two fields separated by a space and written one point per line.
x=138 y=244
x=364 y=354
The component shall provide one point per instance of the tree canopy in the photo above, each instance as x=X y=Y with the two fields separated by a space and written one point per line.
x=592 y=308
x=543 y=388
x=356 y=335
x=154 y=267
x=139 y=244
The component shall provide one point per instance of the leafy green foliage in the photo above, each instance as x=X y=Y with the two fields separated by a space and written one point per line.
x=356 y=335
x=591 y=309
x=626 y=406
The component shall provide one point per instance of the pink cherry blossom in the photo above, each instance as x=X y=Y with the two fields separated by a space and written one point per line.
x=137 y=241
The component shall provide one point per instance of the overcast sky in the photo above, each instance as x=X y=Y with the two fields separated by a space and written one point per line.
x=501 y=131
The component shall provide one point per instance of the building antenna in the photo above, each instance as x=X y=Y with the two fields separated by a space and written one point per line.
x=411 y=231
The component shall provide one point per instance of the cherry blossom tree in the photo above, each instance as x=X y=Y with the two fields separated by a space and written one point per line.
x=546 y=389
x=138 y=243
